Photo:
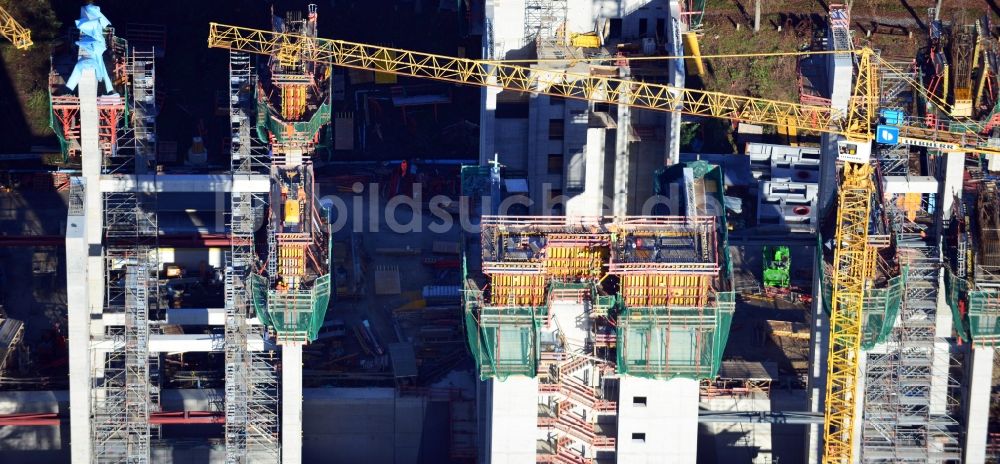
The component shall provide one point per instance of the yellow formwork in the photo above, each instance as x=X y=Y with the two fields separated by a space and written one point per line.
x=563 y=261
x=517 y=289
x=291 y=261
x=677 y=290
x=293 y=101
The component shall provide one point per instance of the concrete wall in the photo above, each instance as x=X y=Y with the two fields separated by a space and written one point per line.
x=512 y=418
x=191 y=258
x=523 y=144
x=358 y=425
x=753 y=442
x=977 y=403
x=669 y=421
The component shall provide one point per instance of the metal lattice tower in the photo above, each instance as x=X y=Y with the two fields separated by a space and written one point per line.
x=128 y=391
x=543 y=19
x=901 y=421
x=251 y=384
x=144 y=109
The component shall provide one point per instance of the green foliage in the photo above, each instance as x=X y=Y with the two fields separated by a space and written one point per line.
x=36 y=111
x=689 y=132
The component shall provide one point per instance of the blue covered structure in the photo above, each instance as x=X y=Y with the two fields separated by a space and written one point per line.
x=91 y=47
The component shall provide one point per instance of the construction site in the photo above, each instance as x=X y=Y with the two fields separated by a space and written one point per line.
x=551 y=231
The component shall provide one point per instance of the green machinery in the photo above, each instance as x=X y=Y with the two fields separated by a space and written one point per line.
x=777 y=262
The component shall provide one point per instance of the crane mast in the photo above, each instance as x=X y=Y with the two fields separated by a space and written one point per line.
x=14 y=31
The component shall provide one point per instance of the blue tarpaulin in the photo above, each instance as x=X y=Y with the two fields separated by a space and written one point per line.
x=92 y=46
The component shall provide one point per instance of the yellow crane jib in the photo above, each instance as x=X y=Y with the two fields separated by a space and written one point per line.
x=852 y=269
x=857 y=126
x=556 y=82
x=14 y=31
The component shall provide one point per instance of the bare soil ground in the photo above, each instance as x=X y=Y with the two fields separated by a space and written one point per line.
x=898 y=28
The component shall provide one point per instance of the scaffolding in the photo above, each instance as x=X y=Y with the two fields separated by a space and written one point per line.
x=984 y=317
x=144 y=109
x=128 y=392
x=129 y=389
x=987 y=262
x=503 y=339
x=251 y=387
x=963 y=50
x=881 y=308
x=909 y=393
x=543 y=19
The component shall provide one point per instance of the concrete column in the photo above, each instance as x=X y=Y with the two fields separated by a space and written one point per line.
x=817 y=371
x=79 y=339
x=665 y=428
x=291 y=404
x=977 y=405
x=85 y=273
x=621 y=187
x=91 y=159
x=940 y=365
x=676 y=78
x=954 y=174
x=859 y=403
x=513 y=421
x=487 y=122
x=590 y=201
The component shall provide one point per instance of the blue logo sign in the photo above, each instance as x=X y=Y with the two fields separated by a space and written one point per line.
x=887 y=134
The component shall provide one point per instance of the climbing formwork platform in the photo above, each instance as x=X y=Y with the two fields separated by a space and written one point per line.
x=673 y=320
x=503 y=338
x=664 y=342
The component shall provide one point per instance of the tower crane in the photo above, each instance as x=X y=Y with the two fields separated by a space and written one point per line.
x=14 y=31
x=853 y=255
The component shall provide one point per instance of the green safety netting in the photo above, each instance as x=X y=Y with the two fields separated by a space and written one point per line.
x=955 y=287
x=697 y=9
x=881 y=306
x=293 y=315
x=504 y=340
x=303 y=131
x=57 y=127
x=475 y=181
x=663 y=343
x=984 y=317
